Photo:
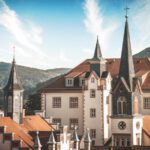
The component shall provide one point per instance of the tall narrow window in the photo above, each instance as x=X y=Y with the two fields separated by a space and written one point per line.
x=74 y=123
x=121 y=105
x=92 y=93
x=93 y=133
x=73 y=102
x=92 y=112
x=146 y=102
x=92 y=79
x=56 y=102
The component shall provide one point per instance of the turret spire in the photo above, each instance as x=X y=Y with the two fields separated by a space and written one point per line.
x=126 y=62
x=97 y=53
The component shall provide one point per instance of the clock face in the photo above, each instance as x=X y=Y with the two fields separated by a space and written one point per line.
x=138 y=125
x=121 y=125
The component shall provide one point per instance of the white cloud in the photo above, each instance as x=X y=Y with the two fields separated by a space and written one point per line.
x=141 y=23
x=26 y=36
x=95 y=23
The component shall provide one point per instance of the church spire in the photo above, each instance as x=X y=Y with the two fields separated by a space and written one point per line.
x=97 y=53
x=126 y=63
x=13 y=81
x=13 y=95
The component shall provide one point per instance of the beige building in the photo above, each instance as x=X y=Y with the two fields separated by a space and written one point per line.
x=109 y=100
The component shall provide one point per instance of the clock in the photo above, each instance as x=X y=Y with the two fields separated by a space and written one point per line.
x=121 y=125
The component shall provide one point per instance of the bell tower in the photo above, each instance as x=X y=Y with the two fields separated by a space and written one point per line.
x=126 y=98
x=13 y=95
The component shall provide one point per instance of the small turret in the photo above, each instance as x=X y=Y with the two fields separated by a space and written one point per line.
x=13 y=95
x=87 y=140
x=51 y=142
x=75 y=139
x=37 y=143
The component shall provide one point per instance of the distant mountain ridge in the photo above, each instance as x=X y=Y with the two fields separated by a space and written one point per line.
x=29 y=77
x=32 y=78
x=143 y=53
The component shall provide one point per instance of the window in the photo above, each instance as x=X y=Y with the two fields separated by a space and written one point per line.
x=128 y=142
x=93 y=133
x=146 y=102
x=92 y=112
x=108 y=119
x=73 y=102
x=122 y=140
x=121 y=105
x=74 y=123
x=56 y=121
x=138 y=139
x=56 y=102
x=92 y=79
x=107 y=100
x=82 y=81
x=69 y=82
x=92 y=93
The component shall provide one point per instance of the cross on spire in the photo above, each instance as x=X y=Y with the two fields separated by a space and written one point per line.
x=126 y=10
x=13 y=53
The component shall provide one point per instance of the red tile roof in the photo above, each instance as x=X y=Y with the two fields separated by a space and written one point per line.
x=141 y=65
x=22 y=132
x=35 y=123
x=19 y=132
x=146 y=126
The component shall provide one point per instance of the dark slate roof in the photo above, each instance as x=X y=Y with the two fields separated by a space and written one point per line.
x=13 y=81
x=104 y=74
x=126 y=65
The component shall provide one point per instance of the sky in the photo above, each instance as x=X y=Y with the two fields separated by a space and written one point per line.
x=62 y=33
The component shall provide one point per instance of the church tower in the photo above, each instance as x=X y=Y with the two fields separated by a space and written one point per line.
x=98 y=63
x=13 y=95
x=126 y=117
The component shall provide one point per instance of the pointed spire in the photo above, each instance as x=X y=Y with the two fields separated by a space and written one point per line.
x=51 y=140
x=13 y=81
x=75 y=137
x=37 y=143
x=97 y=53
x=87 y=138
x=126 y=63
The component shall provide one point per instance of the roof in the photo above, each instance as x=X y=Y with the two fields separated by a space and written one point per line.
x=146 y=126
x=35 y=123
x=19 y=132
x=13 y=81
x=97 y=53
x=126 y=69
x=146 y=84
x=112 y=66
x=25 y=131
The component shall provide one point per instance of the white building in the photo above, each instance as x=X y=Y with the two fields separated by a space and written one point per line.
x=99 y=95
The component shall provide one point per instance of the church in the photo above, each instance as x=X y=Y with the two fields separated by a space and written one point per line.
x=111 y=97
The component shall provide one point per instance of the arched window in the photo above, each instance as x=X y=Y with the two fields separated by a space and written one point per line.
x=121 y=105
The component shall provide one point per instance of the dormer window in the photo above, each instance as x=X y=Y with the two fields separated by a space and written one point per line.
x=82 y=81
x=92 y=80
x=69 y=82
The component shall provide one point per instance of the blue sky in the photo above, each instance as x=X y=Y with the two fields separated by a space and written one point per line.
x=62 y=33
